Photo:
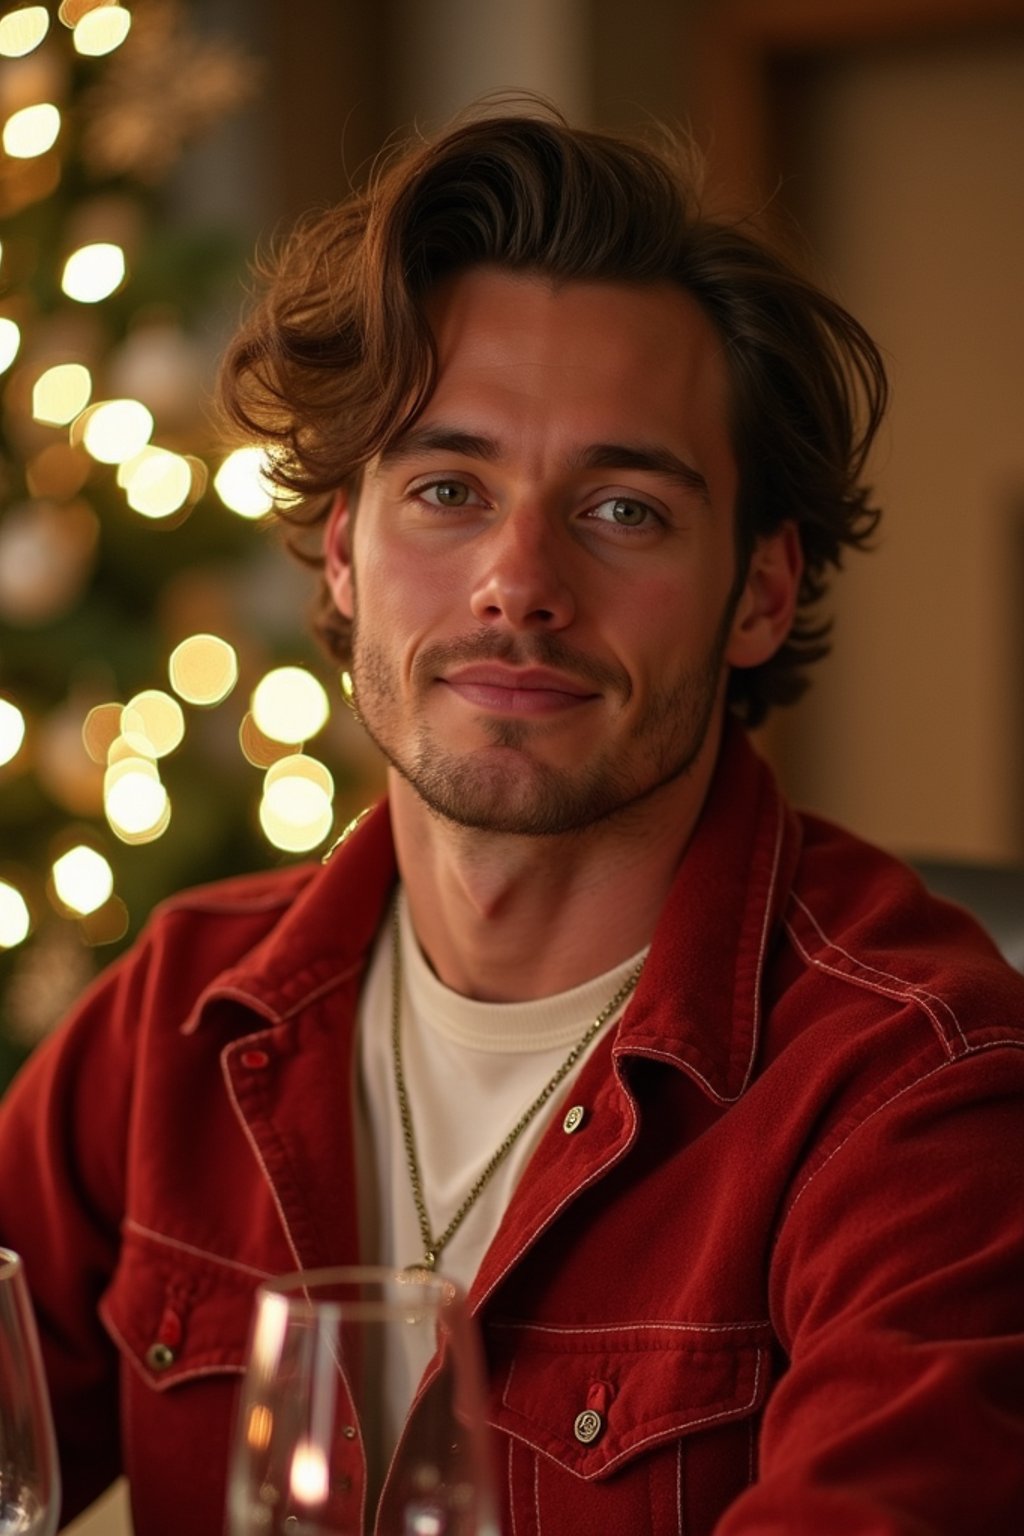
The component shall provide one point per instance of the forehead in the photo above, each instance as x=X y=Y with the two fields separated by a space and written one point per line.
x=602 y=360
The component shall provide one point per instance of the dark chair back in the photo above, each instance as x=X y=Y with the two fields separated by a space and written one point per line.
x=994 y=893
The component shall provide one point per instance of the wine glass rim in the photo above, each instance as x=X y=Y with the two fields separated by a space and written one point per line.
x=380 y=1284
x=10 y=1263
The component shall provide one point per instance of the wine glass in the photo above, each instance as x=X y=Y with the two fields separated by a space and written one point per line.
x=361 y=1410
x=29 y=1479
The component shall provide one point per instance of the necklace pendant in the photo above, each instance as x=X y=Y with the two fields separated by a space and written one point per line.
x=432 y=1246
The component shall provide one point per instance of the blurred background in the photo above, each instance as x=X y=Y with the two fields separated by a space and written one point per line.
x=163 y=717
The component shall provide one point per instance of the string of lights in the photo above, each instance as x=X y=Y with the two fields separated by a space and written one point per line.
x=100 y=383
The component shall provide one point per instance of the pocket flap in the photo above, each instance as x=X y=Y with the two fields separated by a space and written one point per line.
x=592 y=1398
x=176 y=1312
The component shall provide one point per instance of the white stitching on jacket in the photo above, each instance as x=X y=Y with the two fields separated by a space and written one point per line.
x=511 y=1486
x=907 y=989
x=569 y=1330
x=130 y=1224
x=780 y=822
x=250 y=1138
x=733 y=1411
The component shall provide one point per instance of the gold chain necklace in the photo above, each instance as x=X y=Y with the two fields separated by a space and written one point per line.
x=432 y=1246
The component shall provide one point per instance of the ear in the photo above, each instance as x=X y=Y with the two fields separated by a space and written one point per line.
x=767 y=604
x=338 y=555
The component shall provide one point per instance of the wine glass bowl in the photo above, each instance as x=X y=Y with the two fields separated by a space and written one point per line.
x=29 y=1476
x=361 y=1410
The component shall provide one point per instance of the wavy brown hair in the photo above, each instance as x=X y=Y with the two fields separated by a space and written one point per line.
x=336 y=358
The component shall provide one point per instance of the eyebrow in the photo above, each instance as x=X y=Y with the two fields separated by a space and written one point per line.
x=650 y=458
x=438 y=439
x=647 y=457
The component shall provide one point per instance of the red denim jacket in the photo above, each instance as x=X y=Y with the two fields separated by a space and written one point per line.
x=783 y=1256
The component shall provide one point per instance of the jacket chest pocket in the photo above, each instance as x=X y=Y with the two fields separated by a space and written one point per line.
x=176 y=1313
x=180 y=1321
x=644 y=1428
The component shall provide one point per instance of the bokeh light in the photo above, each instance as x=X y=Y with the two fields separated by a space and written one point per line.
x=100 y=729
x=297 y=812
x=22 y=30
x=260 y=750
x=107 y=924
x=203 y=669
x=32 y=131
x=309 y=1478
x=70 y=12
x=123 y=751
x=116 y=430
x=290 y=704
x=135 y=802
x=12 y=730
x=15 y=919
x=241 y=483
x=83 y=879
x=102 y=30
x=93 y=272
x=61 y=393
x=10 y=341
x=154 y=718
x=299 y=765
x=157 y=483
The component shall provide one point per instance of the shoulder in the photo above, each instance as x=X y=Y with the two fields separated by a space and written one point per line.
x=865 y=925
x=269 y=940
x=189 y=940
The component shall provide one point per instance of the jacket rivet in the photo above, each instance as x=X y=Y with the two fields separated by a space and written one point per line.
x=588 y=1426
x=159 y=1357
x=573 y=1119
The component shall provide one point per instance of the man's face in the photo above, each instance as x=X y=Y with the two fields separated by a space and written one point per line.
x=542 y=570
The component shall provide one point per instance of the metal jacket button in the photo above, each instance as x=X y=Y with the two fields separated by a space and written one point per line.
x=573 y=1119
x=588 y=1426
x=159 y=1356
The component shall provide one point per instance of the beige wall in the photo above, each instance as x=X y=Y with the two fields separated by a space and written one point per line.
x=909 y=178
x=448 y=52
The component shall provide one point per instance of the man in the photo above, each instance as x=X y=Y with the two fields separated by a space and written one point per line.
x=713 y=1111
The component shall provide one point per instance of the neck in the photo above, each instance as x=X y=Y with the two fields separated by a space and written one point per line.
x=508 y=919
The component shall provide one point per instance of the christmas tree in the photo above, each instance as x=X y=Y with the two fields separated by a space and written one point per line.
x=157 y=692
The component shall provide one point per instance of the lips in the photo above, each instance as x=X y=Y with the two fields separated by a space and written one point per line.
x=515 y=690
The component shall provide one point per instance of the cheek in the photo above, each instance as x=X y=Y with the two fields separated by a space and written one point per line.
x=670 y=634
x=404 y=599
x=670 y=617
x=439 y=578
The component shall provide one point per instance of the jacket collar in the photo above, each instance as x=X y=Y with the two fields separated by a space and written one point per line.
x=325 y=935
x=698 y=1002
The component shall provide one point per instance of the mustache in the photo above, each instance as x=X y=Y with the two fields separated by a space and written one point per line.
x=543 y=650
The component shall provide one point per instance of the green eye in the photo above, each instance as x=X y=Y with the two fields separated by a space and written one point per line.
x=624 y=512
x=629 y=513
x=449 y=493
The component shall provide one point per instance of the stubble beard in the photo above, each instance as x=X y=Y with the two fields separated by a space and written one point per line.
x=512 y=790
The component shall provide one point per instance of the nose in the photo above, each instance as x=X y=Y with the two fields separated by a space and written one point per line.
x=522 y=580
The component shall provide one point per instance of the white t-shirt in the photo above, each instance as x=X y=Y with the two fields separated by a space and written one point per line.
x=472 y=1069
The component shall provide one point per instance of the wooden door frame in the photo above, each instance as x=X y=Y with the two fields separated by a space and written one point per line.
x=741 y=49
